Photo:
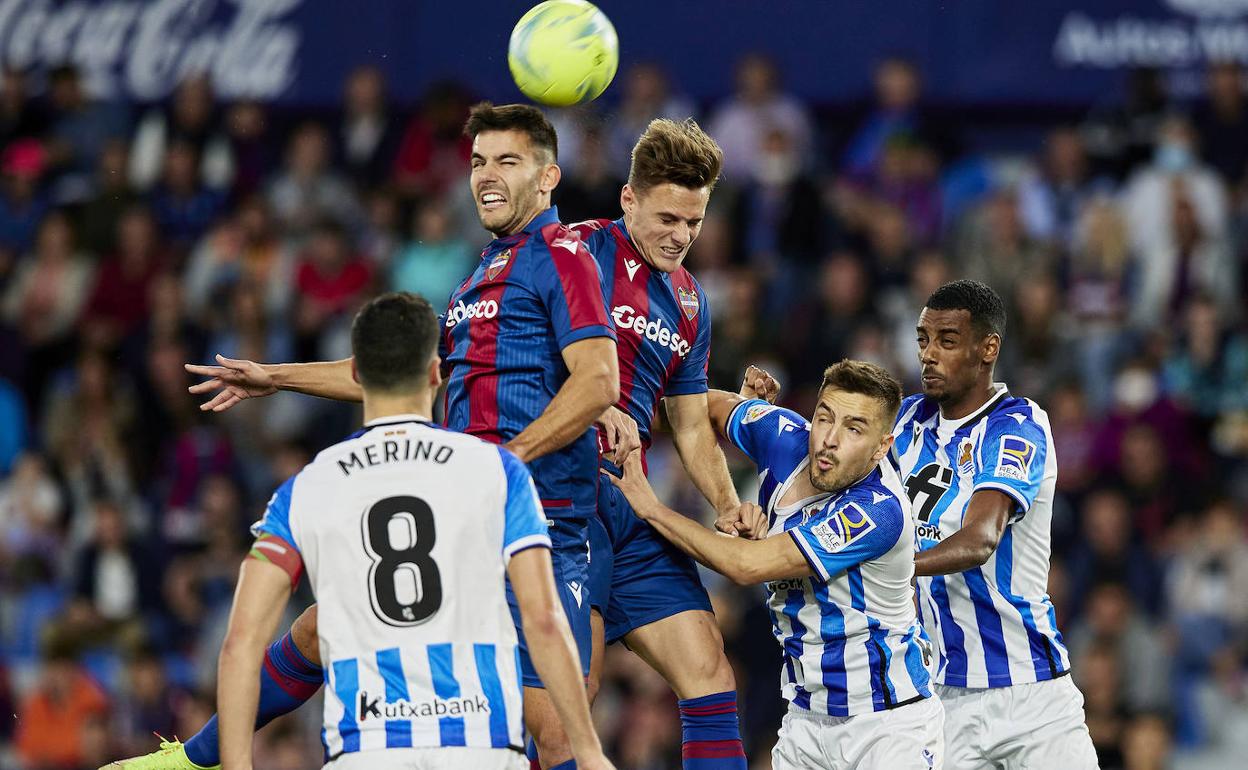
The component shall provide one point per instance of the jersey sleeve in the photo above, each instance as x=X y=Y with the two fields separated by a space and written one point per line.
x=572 y=292
x=848 y=535
x=524 y=524
x=1012 y=459
x=755 y=427
x=275 y=542
x=690 y=376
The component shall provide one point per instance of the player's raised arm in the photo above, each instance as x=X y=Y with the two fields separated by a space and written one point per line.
x=757 y=383
x=236 y=380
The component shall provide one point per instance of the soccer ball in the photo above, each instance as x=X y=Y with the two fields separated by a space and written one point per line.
x=563 y=52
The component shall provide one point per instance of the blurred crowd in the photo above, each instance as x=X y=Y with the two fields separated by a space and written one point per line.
x=134 y=238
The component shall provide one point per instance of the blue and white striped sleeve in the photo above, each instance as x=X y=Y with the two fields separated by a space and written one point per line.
x=276 y=519
x=1012 y=459
x=524 y=524
x=755 y=426
x=848 y=535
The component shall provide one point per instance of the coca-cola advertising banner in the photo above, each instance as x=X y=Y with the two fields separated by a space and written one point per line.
x=299 y=51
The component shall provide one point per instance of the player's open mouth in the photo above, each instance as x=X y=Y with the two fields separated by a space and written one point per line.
x=670 y=252
x=492 y=200
x=824 y=464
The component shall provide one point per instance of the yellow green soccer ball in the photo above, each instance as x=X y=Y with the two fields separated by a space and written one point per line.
x=563 y=52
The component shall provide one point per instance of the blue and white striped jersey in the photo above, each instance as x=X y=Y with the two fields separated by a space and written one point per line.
x=405 y=530
x=852 y=643
x=994 y=625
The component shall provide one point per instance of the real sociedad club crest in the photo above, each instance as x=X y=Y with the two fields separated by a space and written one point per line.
x=497 y=265
x=688 y=302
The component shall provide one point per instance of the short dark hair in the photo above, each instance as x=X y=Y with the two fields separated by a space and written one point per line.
x=393 y=338
x=484 y=116
x=985 y=305
x=867 y=379
x=679 y=153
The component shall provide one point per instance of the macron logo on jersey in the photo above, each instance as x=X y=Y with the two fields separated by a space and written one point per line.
x=631 y=266
x=486 y=308
x=627 y=317
x=785 y=424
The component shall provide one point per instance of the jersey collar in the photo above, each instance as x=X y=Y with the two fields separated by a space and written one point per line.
x=1000 y=391
x=547 y=217
x=395 y=419
x=619 y=223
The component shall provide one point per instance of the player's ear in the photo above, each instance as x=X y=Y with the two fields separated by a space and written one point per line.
x=992 y=348
x=882 y=450
x=435 y=374
x=628 y=198
x=549 y=178
x=355 y=376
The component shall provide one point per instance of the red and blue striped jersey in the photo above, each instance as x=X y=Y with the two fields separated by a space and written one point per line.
x=533 y=294
x=662 y=321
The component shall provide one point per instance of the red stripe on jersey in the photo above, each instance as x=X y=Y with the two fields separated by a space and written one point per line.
x=481 y=381
x=681 y=279
x=578 y=275
x=633 y=292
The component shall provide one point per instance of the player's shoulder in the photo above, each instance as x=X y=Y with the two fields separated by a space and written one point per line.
x=591 y=228
x=877 y=497
x=917 y=408
x=1015 y=414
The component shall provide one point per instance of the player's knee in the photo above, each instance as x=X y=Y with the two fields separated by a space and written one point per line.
x=304 y=634
x=553 y=746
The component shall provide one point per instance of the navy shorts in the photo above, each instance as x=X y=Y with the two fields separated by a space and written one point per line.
x=601 y=565
x=650 y=579
x=569 y=555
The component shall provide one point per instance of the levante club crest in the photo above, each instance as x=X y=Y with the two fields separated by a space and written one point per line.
x=688 y=302
x=497 y=265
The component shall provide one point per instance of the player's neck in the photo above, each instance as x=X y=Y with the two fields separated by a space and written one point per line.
x=377 y=406
x=975 y=398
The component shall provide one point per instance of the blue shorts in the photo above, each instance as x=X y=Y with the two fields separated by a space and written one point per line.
x=650 y=579
x=601 y=565
x=570 y=557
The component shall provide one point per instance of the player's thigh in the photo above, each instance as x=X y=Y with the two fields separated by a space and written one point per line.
x=1050 y=729
x=651 y=579
x=686 y=649
x=304 y=634
x=910 y=737
x=799 y=745
x=965 y=722
x=598 y=646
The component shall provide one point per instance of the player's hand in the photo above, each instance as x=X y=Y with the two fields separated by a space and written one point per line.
x=759 y=383
x=746 y=520
x=234 y=380
x=620 y=431
x=635 y=486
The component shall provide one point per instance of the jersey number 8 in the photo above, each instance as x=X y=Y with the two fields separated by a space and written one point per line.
x=404 y=584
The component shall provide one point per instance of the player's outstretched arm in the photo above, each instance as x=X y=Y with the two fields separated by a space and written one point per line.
x=987 y=515
x=698 y=445
x=235 y=380
x=263 y=590
x=745 y=562
x=593 y=384
x=554 y=652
